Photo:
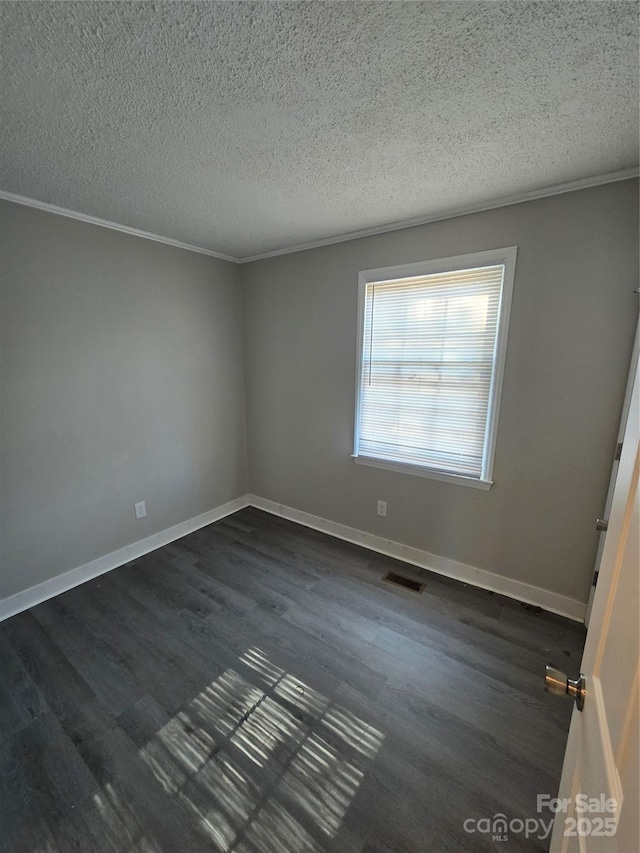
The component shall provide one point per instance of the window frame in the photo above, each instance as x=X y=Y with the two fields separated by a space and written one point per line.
x=506 y=256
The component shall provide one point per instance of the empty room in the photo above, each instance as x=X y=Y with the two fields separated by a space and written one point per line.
x=320 y=421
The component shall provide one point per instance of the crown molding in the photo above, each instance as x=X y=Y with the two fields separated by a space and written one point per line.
x=114 y=226
x=505 y=201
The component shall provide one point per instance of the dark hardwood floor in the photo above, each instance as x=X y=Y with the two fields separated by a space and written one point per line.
x=256 y=687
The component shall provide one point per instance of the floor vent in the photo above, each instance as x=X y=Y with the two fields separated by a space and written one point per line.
x=407 y=583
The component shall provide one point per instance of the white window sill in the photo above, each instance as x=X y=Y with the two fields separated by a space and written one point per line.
x=420 y=471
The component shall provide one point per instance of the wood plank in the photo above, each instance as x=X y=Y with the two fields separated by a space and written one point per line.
x=20 y=700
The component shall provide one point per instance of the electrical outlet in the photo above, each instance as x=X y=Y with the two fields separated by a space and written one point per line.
x=382 y=508
x=141 y=509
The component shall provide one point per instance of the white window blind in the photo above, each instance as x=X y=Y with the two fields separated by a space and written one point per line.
x=428 y=369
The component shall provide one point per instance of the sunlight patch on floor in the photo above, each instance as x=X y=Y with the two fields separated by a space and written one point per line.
x=276 y=830
x=309 y=757
x=260 y=663
x=352 y=730
x=268 y=729
x=293 y=690
x=322 y=782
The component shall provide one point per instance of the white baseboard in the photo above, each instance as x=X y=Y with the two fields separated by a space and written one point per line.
x=551 y=601
x=61 y=583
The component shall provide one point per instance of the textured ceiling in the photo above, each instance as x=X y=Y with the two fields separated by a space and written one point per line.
x=247 y=127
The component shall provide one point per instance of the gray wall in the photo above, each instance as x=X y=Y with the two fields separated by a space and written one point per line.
x=570 y=340
x=122 y=380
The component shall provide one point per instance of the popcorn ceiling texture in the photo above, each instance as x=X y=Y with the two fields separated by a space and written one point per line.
x=246 y=127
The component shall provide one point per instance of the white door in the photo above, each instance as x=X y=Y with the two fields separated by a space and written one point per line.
x=598 y=804
x=602 y=523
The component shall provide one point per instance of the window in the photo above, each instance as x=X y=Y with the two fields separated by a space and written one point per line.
x=431 y=347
